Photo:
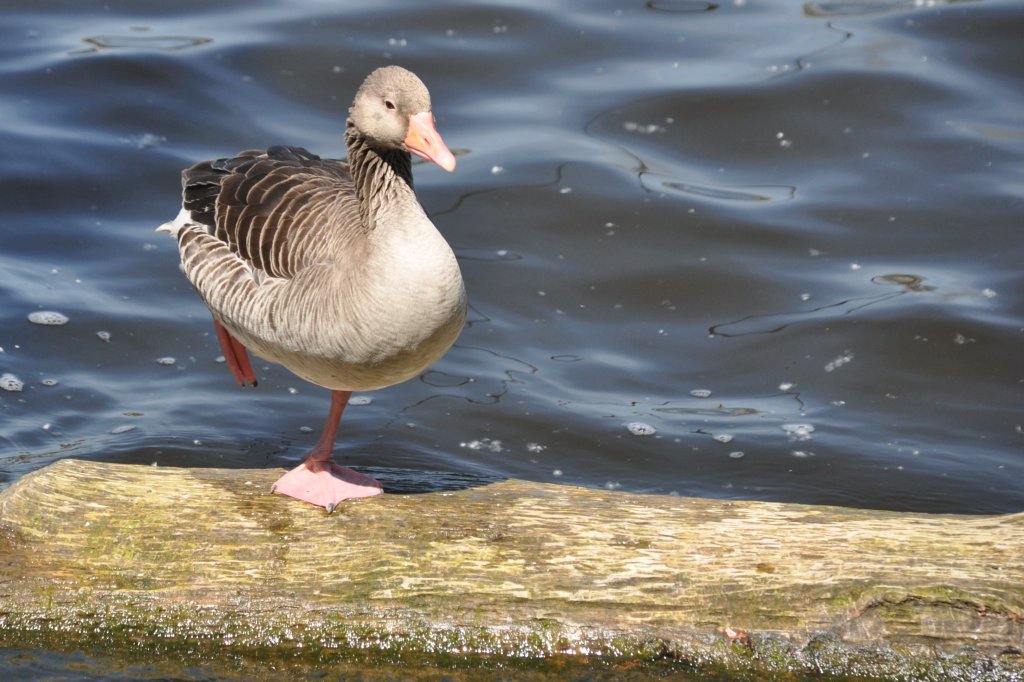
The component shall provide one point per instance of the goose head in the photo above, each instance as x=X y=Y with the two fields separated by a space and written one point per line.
x=392 y=111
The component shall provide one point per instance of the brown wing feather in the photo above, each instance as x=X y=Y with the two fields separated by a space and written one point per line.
x=273 y=208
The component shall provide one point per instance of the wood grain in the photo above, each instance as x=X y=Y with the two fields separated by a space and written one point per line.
x=505 y=568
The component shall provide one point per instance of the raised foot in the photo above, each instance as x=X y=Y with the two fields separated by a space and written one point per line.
x=325 y=485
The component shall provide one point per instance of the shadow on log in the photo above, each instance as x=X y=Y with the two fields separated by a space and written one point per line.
x=495 y=573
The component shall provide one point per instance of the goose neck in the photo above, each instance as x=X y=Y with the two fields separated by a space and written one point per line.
x=378 y=174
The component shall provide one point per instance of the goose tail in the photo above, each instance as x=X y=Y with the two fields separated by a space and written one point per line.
x=180 y=222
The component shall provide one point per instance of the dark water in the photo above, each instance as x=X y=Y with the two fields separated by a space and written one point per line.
x=812 y=212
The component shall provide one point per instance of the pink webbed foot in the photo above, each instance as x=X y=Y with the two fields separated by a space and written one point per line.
x=318 y=480
x=325 y=484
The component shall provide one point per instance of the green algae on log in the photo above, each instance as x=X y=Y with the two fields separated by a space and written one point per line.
x=124 y=556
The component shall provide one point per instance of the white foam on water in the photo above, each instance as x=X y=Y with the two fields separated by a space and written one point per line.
x=641 y=429
x=485 y=444
x=9 y=382
x=844 y=359
x=48 y=318
x=798 y=431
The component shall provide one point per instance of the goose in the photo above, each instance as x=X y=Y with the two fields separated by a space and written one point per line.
x=330 y=268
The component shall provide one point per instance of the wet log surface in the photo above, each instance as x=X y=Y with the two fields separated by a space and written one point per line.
x=205 y=561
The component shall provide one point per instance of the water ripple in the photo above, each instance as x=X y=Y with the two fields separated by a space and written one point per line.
x=654 y=182
x=681 y=6
x=145 y=43
x=868 y=7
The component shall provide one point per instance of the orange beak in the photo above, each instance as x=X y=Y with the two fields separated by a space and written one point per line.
x=424 y=140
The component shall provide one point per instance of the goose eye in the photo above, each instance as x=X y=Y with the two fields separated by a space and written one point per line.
x=389 y=104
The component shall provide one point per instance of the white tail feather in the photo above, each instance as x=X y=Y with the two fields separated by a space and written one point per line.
x=181 y=221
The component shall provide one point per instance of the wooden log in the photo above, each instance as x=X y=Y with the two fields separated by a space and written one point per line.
x=207 y=562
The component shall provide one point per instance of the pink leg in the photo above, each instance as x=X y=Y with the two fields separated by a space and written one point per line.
x=236 y=355
x=318 y=480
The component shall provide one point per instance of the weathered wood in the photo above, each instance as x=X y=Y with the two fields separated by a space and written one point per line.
x=135 y=555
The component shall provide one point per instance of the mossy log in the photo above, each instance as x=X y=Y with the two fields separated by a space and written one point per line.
x=119 y=556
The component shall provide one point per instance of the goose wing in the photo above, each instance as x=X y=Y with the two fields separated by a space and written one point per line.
x=277 y=211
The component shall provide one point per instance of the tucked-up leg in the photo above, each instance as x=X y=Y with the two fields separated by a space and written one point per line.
x=236 y=355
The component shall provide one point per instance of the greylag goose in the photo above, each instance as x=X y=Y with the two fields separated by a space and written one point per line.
x=329 y=268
